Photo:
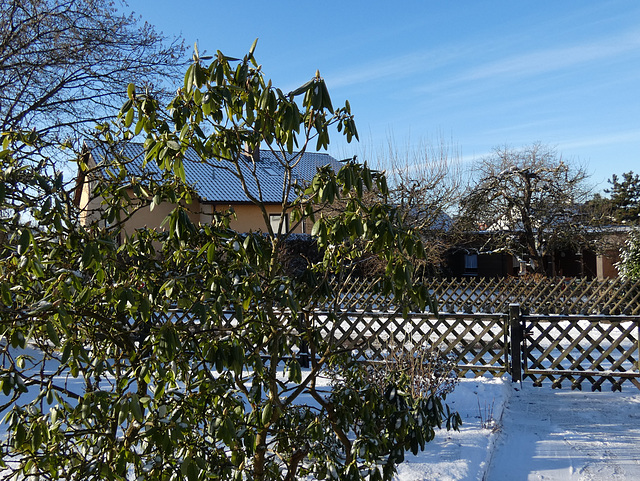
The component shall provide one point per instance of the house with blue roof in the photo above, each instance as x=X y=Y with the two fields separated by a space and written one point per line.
x=217 y=183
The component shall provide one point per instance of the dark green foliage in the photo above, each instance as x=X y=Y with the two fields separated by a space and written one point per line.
x=625 y=198
x=118 y=387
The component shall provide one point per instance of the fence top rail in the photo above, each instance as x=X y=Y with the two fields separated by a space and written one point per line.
x=455 y=315
x=610 y=298
x=580 y=317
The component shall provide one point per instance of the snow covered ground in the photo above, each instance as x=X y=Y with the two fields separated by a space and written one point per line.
x=537 y=434
x=513 y=433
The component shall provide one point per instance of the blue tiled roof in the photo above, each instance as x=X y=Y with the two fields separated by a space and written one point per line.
x=215 y=183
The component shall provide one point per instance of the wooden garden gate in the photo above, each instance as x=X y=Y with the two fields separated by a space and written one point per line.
x=575 y=348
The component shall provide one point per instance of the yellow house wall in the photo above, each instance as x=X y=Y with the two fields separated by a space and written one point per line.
x=142 y=218
x=89 y=206
x=248 y=217
x=152 y=219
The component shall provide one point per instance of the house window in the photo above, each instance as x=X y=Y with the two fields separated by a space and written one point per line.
x=471 y=264
x=274 y=221
x=206 y=213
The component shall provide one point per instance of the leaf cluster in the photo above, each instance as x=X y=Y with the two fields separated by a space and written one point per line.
x=177 y=353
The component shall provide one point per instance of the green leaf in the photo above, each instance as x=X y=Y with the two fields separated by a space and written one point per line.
x=129 y=118
x=139 y=125
x=18 y=339
x=211 y=253
x=253 y=47
x=6 y=294
x=267 y=412
x=227 y=432
x=52 y=333
x=178 y=168
x=189 y=77
x=6 y=383
x=66 y=353
x=25 y=240
x=123 y=412
x=302 y=89
x=126 y=106
x=295 y=371
x=326 y=99
x=136 y=408
x=20 y=434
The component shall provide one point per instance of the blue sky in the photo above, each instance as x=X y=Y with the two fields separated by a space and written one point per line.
x=480 y=74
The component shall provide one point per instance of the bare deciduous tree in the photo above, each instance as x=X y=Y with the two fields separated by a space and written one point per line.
x=65 y=64
x=426 y=182
x=526 y=202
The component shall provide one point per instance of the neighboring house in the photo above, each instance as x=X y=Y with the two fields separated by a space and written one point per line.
x=473 y=259
x=217 y=187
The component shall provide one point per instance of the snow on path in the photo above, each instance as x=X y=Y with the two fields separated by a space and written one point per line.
x=463 y=455
x=568 y=435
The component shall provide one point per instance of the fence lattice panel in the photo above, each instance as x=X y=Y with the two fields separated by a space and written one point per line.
x=576 y=330
x=581 y=348
x=493 y=295
x=475 y=343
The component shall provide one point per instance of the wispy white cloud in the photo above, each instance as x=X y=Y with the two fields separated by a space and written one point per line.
x=444 y=67
x=571 y=144
x=394 y=67
x=544 y=61
x=516 y=130
x=600 y=140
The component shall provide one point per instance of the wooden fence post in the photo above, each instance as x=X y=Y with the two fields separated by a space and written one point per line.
x=515 y=336
x=303 y=355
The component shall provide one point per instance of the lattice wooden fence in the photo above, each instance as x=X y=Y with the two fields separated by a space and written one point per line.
x=578 y=349
x=575 y=348
x=577 y=330
x=493 y=295
x=477 y=343
x=581 y=349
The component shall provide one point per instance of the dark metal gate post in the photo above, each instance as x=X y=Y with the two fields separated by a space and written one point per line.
x=515 y=337
x=303 y=355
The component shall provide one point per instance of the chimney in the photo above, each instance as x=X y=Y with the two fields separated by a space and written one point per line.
x=253 y=153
